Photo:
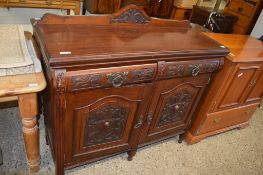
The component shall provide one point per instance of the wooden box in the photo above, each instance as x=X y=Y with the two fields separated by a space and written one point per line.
x=119 y=82
x=235 y=92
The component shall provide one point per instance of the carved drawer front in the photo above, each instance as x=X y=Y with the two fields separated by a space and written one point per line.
x=111 y=77
x=172 y=106
x=227 y=118
x=187 y=68
x=101 y=122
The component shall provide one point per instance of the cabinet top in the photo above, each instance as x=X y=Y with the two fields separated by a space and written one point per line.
x=243 y=48
x=128 y=35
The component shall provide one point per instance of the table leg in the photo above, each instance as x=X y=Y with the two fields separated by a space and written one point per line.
x=28 y=109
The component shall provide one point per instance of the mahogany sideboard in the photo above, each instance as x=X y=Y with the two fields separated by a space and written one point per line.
x=236 y=90
x=52 y=4
x=118 y=82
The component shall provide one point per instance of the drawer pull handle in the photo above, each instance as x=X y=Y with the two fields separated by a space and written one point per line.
x=149 y=118
x=139 y=122
x=49 y=3
x=217 y=120
x=117 y=79
x=252 y=83
x=194 y=70
x=240 y=9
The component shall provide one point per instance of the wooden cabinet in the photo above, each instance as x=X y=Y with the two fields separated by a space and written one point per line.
x=247 y=13
x=161 y=8
x=109 y=92
x=235 y=92
x=101 y=6
x=64 y=4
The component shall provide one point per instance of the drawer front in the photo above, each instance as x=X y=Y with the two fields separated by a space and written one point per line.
x=187 y=68
x=42 y=3
x=227 y=118
x=242 y=21
x=241 y=8
x=110 y=77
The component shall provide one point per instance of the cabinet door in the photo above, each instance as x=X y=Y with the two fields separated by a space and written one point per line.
x=256 y=86
x=238 y=85
x=102 y=122
x=173 y=105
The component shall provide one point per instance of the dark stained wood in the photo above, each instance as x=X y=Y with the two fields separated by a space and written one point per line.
x=236 y=91
x=122 y=81
x=161 y=8
x=101 y=6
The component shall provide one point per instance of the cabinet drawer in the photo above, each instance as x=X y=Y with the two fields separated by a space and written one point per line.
x=187 y=68
x=226 y=118
x=241 y=8
x=110 y=77
x=42 y=3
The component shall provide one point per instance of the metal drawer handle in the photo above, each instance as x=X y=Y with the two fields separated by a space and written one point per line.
x=195 y=70
x=139 y=122
x=117 y=79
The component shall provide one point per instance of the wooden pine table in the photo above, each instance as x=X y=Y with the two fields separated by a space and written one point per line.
x=24 y=88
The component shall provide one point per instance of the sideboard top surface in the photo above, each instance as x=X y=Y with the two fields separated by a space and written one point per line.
x=117 y=38
x=243 y=48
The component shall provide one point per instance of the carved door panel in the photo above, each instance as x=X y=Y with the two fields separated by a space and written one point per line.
x=239 y=85
x=172 y=106
x=102 y=122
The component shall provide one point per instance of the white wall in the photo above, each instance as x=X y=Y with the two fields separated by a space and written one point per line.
x=257 y=31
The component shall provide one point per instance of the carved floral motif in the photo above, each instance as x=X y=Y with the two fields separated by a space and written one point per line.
x=105 y=125
x=144 y=74
x=175 y=108
x=131 y=16
x=86 y=81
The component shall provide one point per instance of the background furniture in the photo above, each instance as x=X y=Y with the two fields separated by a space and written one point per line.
x=247 y=13
x=156 y=8
x=200 y=15
x=235 y=92
x=108 y=92
x=64 y=4
x=101 y=6
x=182 y=9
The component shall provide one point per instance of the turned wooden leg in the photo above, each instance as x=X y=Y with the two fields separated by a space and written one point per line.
x=77 y=9
x=28 y=109
x=131 y=154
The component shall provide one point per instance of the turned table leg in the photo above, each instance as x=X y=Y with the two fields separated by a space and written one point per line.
x=28 y=109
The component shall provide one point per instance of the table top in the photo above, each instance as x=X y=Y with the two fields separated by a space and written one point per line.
x=69 y=39
x=22 y=84
x=243 y=48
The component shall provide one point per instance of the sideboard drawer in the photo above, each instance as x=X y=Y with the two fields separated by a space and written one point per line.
x=41 y=2
x=227 y=118
x=187 y=68
x=110 y=77
x=241 y=8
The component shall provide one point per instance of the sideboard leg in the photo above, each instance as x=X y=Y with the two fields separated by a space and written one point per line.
x=131 y=154
x=181 y=138
x=83 y=10
x=28 y=109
